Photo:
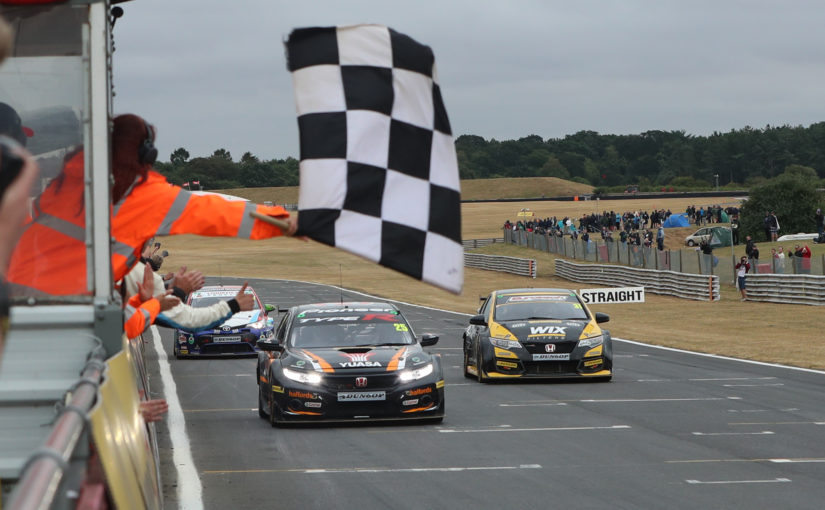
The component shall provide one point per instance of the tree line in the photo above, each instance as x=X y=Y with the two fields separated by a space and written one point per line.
x=654 y=159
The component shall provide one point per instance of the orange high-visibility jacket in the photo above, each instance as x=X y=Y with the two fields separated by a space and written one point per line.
x=139 y=316
x=51 y=255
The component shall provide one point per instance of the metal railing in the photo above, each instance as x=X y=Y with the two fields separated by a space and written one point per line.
x=514 y=265
x=42 y=473
x=799 y=289
x=470 y=244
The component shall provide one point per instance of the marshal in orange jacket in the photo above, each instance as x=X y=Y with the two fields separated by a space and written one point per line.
x=51 y=255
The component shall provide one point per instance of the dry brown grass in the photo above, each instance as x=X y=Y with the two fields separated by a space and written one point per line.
x=471 y=189
x=787 y=334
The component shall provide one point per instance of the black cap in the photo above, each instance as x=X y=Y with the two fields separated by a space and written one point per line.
x=10 y=124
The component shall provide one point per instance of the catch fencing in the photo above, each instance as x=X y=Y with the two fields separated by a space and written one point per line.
x=668 y=283
x=793 y=280
x=514 y=265
x=720 y=263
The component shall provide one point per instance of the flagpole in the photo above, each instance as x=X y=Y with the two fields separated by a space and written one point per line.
x=281 y=224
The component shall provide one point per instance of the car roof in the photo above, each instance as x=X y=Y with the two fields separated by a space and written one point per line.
x=533 y=291
x=346 y=304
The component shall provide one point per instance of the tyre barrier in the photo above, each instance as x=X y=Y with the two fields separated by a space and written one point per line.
x=668 y=283
x=797 y=289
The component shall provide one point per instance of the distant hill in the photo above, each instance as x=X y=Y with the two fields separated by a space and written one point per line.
x=471 y=189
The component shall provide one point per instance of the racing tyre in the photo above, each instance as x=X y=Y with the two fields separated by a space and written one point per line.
x=691 y=243
x=441 y=408
x=479 y=371
x=261 y=412
x=467 y=374
x=272 y=413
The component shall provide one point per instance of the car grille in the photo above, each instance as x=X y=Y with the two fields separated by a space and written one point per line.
x=375 y=381
x=561 y=347
x=551 y=368
x=226 y=349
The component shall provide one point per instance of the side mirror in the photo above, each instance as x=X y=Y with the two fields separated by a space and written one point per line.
x=602 y=317
x=428 y=339
x=266 y=345
x=478 y=320
x=270 y=308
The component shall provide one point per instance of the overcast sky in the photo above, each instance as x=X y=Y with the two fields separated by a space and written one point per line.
x=212 y=74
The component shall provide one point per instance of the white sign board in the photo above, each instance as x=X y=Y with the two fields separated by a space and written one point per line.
x=613 y=295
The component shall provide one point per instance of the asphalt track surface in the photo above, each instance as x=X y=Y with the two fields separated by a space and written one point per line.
x=673 y=430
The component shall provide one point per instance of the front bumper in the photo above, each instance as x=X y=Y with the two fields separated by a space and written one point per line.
x=532 y=363
x=210 y=345
x=336 y=399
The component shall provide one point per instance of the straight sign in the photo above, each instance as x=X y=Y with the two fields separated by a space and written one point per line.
x=613 y=295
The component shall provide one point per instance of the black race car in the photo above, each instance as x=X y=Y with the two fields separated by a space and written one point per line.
x=548 y=333
x=348 y=361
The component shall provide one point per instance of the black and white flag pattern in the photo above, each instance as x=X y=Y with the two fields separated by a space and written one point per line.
x=379 y=174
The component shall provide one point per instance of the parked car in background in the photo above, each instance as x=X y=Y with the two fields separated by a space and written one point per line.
x=716 y=236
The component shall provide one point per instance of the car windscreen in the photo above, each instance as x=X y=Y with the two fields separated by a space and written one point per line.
x=204 y=300
x=513 y=307
x=349 y=329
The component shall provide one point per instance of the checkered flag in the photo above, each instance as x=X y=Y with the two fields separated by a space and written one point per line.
x=379 y=175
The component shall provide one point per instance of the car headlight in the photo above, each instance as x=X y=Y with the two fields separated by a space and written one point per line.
x=593 y=341
x=258 y=325
x=505 y=344
x=303 y=377
x=418 y=373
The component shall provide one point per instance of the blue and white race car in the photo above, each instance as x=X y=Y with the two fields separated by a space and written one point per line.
x=235 y=335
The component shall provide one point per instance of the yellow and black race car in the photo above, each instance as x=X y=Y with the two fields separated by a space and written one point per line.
x=547 y=333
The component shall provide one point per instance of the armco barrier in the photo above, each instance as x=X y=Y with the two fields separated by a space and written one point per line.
x=668 y=283
x=515 y=265
x=799 y=289
x=469 y=244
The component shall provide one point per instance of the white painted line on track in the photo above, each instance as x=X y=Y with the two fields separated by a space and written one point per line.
x=734 y=379
x=729 y=482
x=796 y=461
x=541 y=429
x=328 y=471
x=776 y=461
x=780 y=423
x=423 y=470
x=189 y=484
x=762 y=433
x=763 y=410
x=714 y=379
x=751 y=385
x=535 y=404
x=623 y=400
x=215 y=375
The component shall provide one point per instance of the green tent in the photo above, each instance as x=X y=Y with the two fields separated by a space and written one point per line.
x=720 y=237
